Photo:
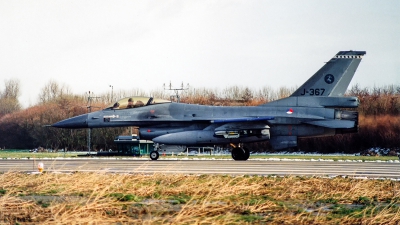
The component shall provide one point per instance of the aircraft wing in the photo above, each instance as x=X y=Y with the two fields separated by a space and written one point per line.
x=242 y=126
x=256 y=118
x=333 y=123
x=243 y=119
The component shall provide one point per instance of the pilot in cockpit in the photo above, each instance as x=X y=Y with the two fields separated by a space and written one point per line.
x=130 y=103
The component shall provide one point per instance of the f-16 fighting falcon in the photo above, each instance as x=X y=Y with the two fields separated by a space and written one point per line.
x=312 y=110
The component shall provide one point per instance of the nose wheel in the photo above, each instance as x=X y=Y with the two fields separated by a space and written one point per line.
x=154 y=155
x=240 y=153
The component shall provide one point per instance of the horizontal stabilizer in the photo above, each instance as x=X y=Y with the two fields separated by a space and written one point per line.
x=333 y=123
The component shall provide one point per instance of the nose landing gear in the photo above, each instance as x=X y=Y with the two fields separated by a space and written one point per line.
x=154 y=155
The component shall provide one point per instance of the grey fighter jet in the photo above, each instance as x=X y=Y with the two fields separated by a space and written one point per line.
x=312 y=110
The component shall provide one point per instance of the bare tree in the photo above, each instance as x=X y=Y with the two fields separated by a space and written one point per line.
x=52 y=91
x=266 y=93
x=232 y=93
x=11 y=89
x=247 y=94
x=9 y=97
x=284 y=92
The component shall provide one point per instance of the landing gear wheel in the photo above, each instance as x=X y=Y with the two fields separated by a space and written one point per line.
x=236 y=153
x=154 y=155
x=240 y=154
x=246 y=154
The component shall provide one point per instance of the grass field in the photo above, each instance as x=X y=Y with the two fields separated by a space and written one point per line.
x=17 y=154
x=99 y=198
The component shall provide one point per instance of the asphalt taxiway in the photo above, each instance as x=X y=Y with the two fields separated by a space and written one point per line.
x=229 y=167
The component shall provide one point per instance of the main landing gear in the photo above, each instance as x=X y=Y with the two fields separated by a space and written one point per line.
x=240 y=153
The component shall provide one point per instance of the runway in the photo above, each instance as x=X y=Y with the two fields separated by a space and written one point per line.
x=228 y=167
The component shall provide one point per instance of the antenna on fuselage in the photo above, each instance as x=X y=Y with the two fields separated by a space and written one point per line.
x=178 y=97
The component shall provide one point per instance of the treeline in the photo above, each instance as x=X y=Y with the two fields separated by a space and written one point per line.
x=27 y=128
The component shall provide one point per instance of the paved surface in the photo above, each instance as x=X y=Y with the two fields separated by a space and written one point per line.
x=230 y=167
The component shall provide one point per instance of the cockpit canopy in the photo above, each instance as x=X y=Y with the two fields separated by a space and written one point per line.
x=136 y=101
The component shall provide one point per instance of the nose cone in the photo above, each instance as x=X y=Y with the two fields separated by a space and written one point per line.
x=74 y=122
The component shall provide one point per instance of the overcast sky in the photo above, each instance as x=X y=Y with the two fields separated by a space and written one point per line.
x=89 y=45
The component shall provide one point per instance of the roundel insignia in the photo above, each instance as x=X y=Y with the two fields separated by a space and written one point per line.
x=329 y=78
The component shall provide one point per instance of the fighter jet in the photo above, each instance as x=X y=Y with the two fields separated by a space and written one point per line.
x=314 y=109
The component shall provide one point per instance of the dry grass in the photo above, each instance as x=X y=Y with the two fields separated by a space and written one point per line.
x=99 y=198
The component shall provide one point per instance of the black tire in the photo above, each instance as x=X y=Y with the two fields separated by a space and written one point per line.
x=235 y=154
x=154 y=155
x=246 y=154
x=242 y=154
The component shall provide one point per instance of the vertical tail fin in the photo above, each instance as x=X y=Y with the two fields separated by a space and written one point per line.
x=334 y=77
